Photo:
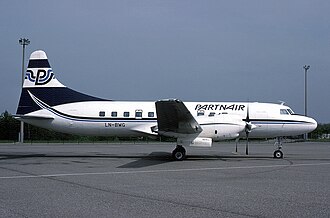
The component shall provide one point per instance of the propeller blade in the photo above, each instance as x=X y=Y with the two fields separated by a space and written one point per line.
x=248 y=128
x=236 y=140
x=247 y=144
x=247 y=114
x=248 y=125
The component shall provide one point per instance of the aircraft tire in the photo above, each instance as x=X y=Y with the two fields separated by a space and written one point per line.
x=278 y=154
x=179 y=153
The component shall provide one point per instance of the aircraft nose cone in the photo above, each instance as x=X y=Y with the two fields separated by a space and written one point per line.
x=313 y=124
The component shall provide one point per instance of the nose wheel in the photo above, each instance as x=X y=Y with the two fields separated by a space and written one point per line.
x=278 y=154
x=179 y=153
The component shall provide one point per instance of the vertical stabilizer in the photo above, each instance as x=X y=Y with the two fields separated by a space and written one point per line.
x=39 y=72
x=40 y=81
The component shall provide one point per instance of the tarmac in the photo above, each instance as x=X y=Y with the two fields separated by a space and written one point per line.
x=141 y=180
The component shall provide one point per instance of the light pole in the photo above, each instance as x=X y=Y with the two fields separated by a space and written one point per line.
x=23 y=42
x=306 y=67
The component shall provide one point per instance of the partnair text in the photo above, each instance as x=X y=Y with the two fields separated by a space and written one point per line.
x=213 y=107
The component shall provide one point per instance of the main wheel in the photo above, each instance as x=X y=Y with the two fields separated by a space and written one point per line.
x=179 y=153
x=278 y=154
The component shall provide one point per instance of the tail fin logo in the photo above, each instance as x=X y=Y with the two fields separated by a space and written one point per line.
x=39 y=72
x=42 y=76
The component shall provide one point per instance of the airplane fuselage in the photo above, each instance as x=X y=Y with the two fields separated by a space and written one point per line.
x=219 y=120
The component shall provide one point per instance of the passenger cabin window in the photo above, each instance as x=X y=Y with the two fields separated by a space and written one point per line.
x=101 y=113
x=200 y=113
x=114 y=113
x=151 y=114
x=284 y=111
x=138 y=114
x=211 y=114
x=126 y=114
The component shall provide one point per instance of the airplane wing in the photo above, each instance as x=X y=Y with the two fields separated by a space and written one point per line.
x=175 y=120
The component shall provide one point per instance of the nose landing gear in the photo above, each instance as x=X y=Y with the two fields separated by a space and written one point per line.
x=278 y=154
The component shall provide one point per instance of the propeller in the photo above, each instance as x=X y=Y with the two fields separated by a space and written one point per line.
x=248 y=128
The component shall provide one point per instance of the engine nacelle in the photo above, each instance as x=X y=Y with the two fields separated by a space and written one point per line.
x=221 y=127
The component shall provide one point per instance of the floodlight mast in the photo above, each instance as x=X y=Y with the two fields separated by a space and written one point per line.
x=306 y=68
x=23 y=42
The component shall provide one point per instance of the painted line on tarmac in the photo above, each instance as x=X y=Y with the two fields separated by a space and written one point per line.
x=160 y=171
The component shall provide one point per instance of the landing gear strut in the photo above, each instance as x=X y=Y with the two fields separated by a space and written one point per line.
x=278 y=154
x=179 y=153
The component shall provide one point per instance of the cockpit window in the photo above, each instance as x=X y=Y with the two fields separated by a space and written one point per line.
x=284 y=111
x=290 y=111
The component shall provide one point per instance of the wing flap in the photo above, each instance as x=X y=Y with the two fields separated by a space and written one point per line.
x=145 y=129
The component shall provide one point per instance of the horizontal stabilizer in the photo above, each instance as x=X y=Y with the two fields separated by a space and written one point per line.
x=174 y=119
x=37 y=117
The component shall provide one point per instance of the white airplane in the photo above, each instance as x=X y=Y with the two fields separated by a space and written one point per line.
x=47 y=103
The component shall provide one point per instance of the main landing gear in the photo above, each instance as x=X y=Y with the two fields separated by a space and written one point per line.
x=179 y=153
x=278 y=154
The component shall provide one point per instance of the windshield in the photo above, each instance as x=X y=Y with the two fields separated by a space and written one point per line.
x=290 y=111
x=286 y=111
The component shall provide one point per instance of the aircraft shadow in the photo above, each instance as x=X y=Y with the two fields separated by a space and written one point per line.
x=142 y=160
x=7 y=156
x=154 y=158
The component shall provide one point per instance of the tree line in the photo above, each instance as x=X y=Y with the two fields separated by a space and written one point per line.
x=10 y=128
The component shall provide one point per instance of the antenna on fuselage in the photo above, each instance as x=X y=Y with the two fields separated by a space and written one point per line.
x=281 y=102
